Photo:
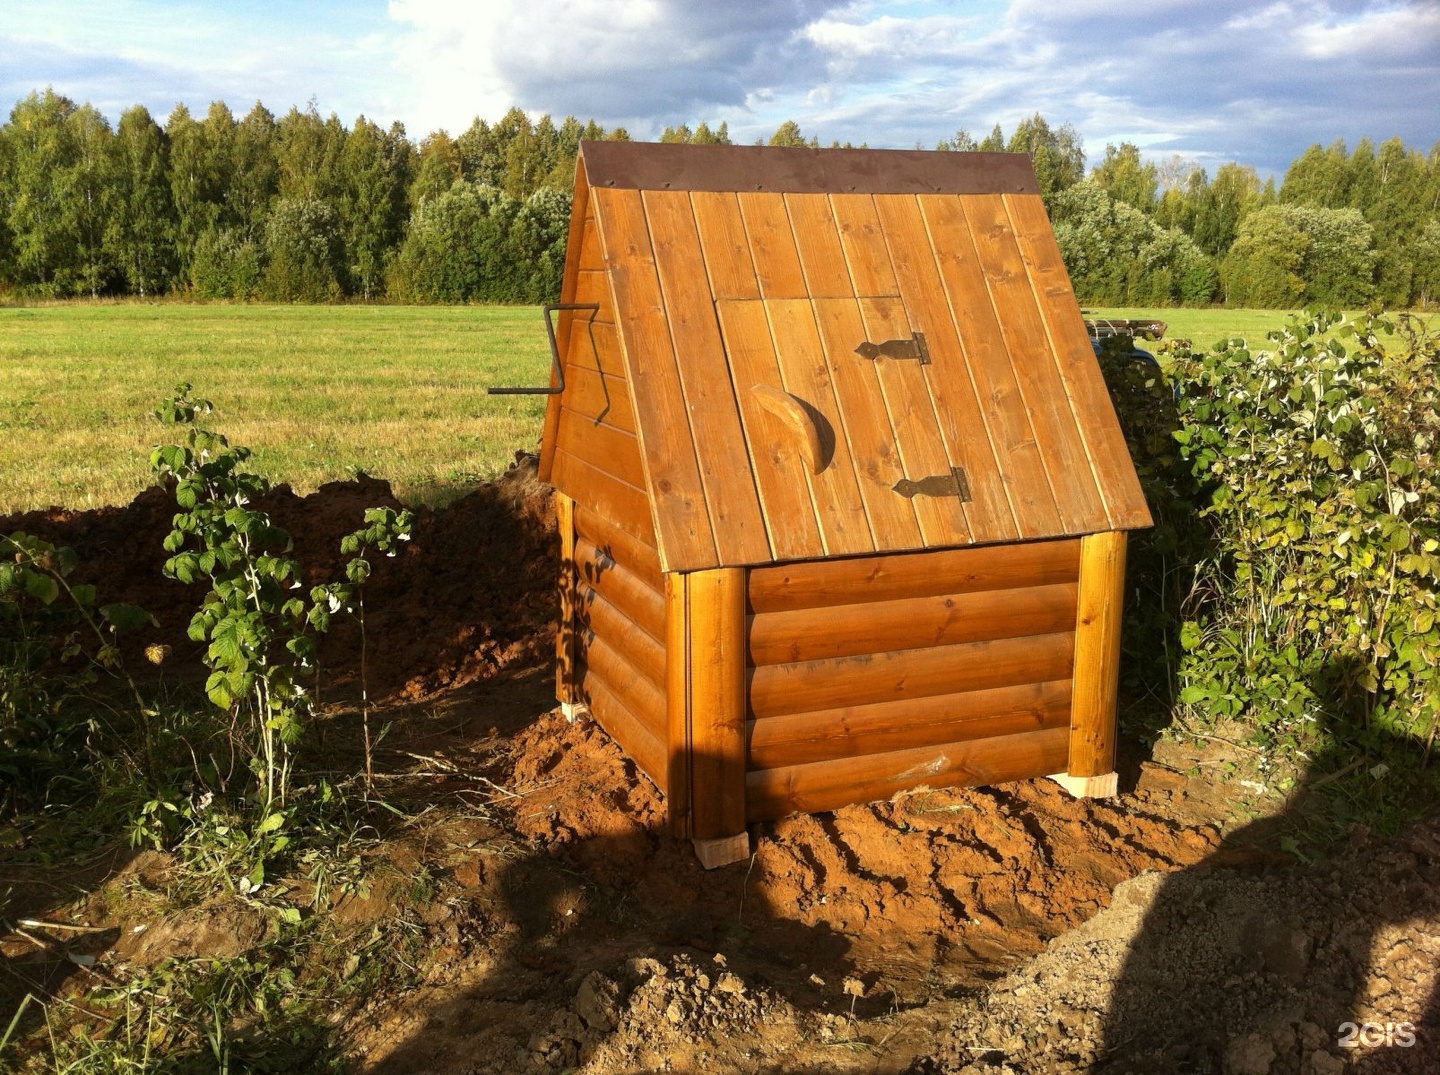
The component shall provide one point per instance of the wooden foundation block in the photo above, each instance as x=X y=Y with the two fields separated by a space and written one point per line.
x=575 y=712
x=1105 y=786
x=722 y=850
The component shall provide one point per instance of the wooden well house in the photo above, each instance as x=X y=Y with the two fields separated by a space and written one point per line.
x=842 y=497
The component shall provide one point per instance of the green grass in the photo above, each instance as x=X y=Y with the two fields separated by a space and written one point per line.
x=317 y=391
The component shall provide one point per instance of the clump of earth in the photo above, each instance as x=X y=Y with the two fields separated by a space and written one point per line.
x=1008 y=929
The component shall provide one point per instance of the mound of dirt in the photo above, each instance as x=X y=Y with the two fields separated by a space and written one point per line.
x=964 y=880
x=471 y=592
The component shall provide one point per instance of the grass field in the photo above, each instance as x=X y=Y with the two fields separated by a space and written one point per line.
x=317 y=391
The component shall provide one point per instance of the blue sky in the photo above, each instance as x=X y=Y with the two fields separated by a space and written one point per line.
x=1212 y=80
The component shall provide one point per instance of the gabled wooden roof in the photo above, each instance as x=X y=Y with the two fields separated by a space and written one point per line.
x=840 y=352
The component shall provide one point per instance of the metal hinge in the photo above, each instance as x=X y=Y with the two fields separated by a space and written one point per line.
x=914 y=349
x=954 y=484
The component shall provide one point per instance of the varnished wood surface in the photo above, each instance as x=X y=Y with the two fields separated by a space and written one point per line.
x=1097 y=654
x=910 y=623
x=600 y=618
x=853 y=731
x=682 y=519
x=635 y=738
x=625 y=681
x=634 y=554
x=628 y=591
x=709 y=397
x=625 y=505
x=829 y=785
x=565 y=635
x=946 y=381
x=1109 y=458
x=715 y=613
x=780 y=689
x=826 y=583
x=1010 y=394
x=677 y=705
x=991 y=369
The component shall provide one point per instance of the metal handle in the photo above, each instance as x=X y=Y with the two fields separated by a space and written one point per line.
x=559 y=386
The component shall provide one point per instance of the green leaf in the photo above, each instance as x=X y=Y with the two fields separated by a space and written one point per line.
x=123 y=617
x=270 y=824
x=41 y=587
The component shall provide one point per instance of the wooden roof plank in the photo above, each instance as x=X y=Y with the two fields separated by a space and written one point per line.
x=729 y=485
x=598 y=397
x=772 y=246
x=1061 y=447
x=677 y=495
x=957 y=413
x=1079 y=371
x=844 y=527
x=861 y=237
x=726 y=246
x=866 y=425
x=604 y=446
x=784 y=493
x=817 y=239
x=624 y=505
x=991 y=370
x=912 y=416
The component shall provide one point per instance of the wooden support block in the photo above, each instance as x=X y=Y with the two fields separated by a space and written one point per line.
x=715 y=654
x=722 y=850
x=1099 y=604
x=567 y=634
x=1106 y=786
x=575 y=712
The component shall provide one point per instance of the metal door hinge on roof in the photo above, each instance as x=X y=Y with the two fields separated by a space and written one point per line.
x=914 y=349
x=955 y=484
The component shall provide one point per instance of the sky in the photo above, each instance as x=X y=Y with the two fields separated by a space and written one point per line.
x=1209 y=80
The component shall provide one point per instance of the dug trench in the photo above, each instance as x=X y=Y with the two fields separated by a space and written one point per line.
x=1000 y=929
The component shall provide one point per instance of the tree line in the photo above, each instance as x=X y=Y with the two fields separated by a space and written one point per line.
x=302 y=208
x=1343 y=229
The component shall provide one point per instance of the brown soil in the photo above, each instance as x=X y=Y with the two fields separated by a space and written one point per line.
x=1003 y=929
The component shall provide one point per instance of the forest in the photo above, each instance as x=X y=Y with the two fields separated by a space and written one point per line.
x=301 y=208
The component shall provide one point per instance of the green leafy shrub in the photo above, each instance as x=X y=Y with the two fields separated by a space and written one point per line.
x=1315 y=457
x=257 y=631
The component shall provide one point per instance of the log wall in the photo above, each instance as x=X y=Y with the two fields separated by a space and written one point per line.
x=872 y=675
x=617 y=613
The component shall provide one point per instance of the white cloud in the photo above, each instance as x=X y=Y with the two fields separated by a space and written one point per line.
x=1212 y=79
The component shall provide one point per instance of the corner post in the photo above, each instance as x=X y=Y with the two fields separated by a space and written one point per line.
x=567 y=684
x=1098 y=615
x=677 y=704
x=715 y=656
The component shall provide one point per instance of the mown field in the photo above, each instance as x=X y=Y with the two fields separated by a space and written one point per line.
x=317 y=391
